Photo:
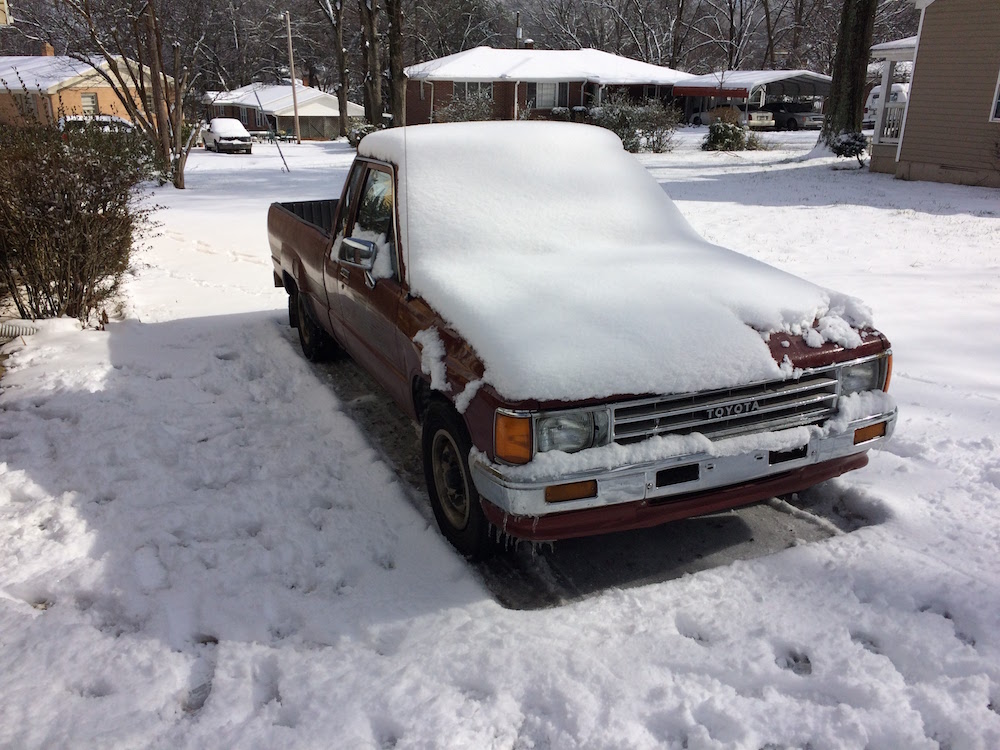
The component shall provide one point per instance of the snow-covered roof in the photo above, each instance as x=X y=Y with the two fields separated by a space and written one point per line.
x=47 y=74
x=898 y=49
x=556 y=255
x=488 y=64
x=276 y=99
x=743 y=82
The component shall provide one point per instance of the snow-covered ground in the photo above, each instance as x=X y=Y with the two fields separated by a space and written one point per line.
x=199 y=547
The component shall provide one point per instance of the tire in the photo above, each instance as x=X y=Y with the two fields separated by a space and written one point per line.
x=792 y=124
x=696 y=122
x=293 y=309
x=454 y=499
x=315 y=342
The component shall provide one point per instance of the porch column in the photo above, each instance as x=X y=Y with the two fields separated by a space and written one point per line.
x=884 y=96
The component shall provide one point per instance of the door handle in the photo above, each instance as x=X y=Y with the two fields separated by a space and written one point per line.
x=345 y=275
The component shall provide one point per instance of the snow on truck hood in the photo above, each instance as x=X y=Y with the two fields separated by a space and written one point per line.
x=556 y=255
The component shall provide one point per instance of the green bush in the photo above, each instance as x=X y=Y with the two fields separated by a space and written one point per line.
x=357 y=130
x=647 y=126
x=726 y=135
x=69 y=216
x=850 y=144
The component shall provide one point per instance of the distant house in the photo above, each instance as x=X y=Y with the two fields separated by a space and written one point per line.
x=948 y=130
x=262 y=106
x=538 y=81
x=49 y=86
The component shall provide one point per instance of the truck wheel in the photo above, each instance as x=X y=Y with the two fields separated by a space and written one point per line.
x=315 y=342
x=454 y=498
x=293 y=308
x=792 y=124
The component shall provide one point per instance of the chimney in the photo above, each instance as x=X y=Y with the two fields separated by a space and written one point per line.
x=529 y=43
x=47 y=50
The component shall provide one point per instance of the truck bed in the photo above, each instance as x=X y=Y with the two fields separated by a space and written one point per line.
x=318 y=213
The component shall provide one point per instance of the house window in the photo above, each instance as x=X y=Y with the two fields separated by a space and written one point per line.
x=650 y=92
x=548 y=95
x=465 y=90
x=88 y=103
x=996 y=102
x=243 y=115
x=258 y=118
x=26 y=105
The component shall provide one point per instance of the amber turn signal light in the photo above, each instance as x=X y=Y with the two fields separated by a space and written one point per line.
x=512 y=438
x=869 y=433
x=559 y=493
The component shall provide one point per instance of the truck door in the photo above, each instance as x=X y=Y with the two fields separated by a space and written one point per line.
x=331 y=264
x=370 y=292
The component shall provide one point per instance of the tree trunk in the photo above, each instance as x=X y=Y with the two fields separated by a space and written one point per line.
x=368 y=10
x=397 y=81
x=156 y=79
x=850 y=66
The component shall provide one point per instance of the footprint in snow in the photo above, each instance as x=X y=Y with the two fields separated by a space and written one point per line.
x=795 y=662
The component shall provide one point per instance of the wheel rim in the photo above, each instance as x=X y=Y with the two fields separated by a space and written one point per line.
x=450 y=482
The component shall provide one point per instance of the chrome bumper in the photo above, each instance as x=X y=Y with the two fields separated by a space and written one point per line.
x=674 y=476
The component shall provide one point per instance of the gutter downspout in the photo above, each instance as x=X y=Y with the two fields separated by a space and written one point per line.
x=516 y=84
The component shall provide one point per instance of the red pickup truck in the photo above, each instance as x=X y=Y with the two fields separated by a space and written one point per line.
x=580 y=360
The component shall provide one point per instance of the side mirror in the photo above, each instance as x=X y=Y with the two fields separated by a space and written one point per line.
x=358 y=253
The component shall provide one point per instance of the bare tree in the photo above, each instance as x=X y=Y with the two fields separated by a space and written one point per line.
x=368 y=10
x=333 y=12
x=397 y=81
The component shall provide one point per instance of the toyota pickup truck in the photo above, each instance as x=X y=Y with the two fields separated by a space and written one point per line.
x=579 y=359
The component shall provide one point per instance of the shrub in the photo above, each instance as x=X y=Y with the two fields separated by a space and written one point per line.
x=725 y=136
x=728 y=134
x=69 y=216
x=648 y=126
x=850 y=144
x=357 y=130
x=478 y=107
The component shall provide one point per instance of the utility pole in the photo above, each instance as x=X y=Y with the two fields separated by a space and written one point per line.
x=291 y=71
x=517 y=30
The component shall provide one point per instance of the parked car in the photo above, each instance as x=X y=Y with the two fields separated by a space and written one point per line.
x=898 y=93
x=794 y=116
x=580 y=360
x=757 y=118
x=226 y=134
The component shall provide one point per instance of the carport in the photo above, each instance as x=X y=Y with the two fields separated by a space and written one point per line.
x=751 y=84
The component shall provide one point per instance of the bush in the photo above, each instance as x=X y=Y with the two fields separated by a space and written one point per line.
x=478 y=107
x=642 y=127
x=357 y=130
x=725 y=134
x=69 y=216
x=850 y=144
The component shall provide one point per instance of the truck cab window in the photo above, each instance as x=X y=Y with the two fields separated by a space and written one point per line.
x=349 y=198
x=375 y=221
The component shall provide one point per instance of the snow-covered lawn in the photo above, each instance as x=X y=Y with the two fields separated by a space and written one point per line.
x=200 y=548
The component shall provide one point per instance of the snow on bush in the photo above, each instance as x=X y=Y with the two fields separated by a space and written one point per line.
x=850 y=144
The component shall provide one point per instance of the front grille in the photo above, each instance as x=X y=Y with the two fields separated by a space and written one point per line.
x=732 y=411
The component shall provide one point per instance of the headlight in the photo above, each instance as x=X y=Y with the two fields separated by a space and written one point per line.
x=866 y=376
x=571 y=431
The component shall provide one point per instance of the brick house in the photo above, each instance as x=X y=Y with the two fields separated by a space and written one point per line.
x=48 y=86
x=948 y=130
x=538 y=81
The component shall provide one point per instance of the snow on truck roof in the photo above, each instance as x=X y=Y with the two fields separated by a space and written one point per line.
x=556 y=255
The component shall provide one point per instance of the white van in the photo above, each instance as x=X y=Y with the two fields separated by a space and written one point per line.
x=899 y=93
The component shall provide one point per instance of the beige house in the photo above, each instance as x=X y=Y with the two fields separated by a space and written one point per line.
x=49 y=86
x=948 y=130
